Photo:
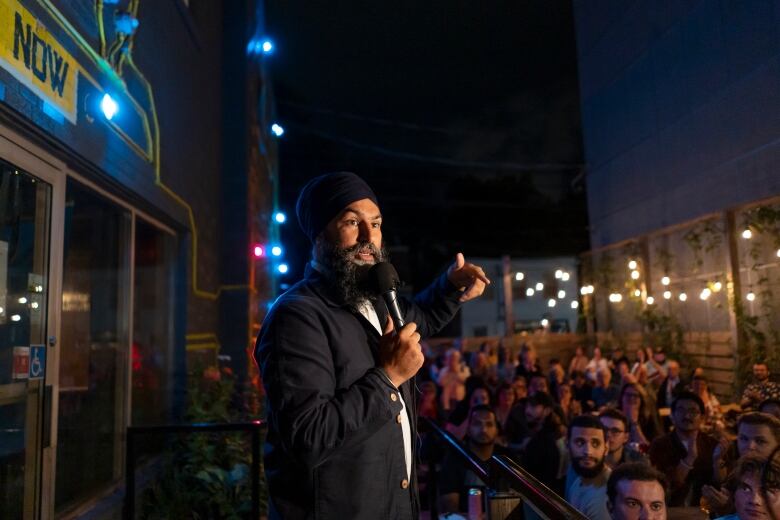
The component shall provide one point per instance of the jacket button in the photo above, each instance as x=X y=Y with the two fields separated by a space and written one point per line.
x=404 y=484
x=398 y=419
x=393 y=397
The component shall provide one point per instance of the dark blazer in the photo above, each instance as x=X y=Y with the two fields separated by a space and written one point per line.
x=334 y=448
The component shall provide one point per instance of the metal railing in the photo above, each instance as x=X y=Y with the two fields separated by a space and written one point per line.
x=254 y=428
x=538 y=496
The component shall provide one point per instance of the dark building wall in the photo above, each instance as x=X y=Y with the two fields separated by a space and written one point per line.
x=680 y=104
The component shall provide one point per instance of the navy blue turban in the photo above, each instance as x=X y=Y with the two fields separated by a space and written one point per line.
x=326 y=196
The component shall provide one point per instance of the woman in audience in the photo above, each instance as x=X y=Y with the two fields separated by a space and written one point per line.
x=452 y=380
x=505 y=369
x=569 y=407
x=505 y=399
x=457 y=423
x=595 y=364
x=643 y=422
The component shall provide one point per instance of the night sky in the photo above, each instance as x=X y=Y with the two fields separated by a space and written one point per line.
x=462 y=115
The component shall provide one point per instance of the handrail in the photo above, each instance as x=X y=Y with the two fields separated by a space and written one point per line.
x=541 y=498
x=253 y=427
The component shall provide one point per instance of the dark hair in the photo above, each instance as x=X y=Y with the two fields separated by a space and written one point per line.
x=761 y=419
x=746 y=465
x=577 y=373
x=633 y=471
x=482 y=408
x=540 y=399
x=769 y=402
x=700 y=378
x=687 y=395
x=614 y=413
x=586 y=421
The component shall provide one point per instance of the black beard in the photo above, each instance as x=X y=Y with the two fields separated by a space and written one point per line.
x=586 y=472
x=344 y=276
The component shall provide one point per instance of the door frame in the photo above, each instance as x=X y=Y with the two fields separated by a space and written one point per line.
x=14 y=148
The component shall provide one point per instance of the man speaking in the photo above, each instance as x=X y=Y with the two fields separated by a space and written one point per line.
x=341 y=421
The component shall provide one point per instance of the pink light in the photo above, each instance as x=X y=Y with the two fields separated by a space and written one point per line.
x=259 y=251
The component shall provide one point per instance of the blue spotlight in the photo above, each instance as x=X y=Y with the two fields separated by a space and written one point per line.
x=109 y=106
x=276 y=251
x=282 y=268
x=277 y=130
x=280 y=217
x=268 y=46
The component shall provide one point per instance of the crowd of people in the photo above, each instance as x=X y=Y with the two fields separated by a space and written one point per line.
x=616 y=437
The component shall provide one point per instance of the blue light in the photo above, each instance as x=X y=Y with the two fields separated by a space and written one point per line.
x=277 y=130
x=268 y=46
x=276 y=251
x=280 y=217
x=282 y=268
x=109 y=106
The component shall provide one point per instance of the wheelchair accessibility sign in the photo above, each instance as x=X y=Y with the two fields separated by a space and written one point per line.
x=37 y=361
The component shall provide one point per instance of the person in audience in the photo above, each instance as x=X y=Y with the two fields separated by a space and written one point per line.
x=636 y=491
x=528 y=365
x=657 y=365
x=427 y=405
x=505 y=367
x=643 y=422
x=671 y=385
x=455 y=478
x=556 y=376
x=641 y=360
x=538 y=450
x=595 y=364
x=604 y=393
x=582 y=390
x=758 y=434
x=586 y=478
x=520 y=386
x=623 y=373
x=570 y=408
x=537 y=383
x=755 y=486
x=579 y=362
x=620 y=451
x=452 y=380
x=770 y=406
x=479 y=366
x=505 y=399
x=685 y=455
x=457 y=423
x=713 y=417
x=761 y=389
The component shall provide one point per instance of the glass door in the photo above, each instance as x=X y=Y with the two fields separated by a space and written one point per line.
x=25 y=238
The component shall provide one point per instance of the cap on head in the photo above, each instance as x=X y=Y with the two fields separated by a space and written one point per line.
x=325 y=196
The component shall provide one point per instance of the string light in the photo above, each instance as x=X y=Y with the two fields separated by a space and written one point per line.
x=665 y=280
x=615 y=297
x=717 y=286
x=683 y=297
x=632 y=264
x=747 y=234
x=519 y=276
x=565 y=276
x=551 y=302
x=561 y=294
x=750 y=296
x=280 y=217
x=705 y=293
x=545 y=322
x=529 y=291
x=635 y=275
x=667 y=295
x=22 y=300
x=637 y=293
x=575 y=304
x=650 y=300
x=587 y=289
x=558 y=274
x=778 y=252
x=539 y=286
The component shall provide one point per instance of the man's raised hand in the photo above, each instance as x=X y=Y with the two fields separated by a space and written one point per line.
x=468 y=278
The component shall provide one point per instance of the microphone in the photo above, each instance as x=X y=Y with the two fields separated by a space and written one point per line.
x=384 y=281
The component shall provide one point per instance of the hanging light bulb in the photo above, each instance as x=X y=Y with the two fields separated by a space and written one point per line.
x=705 y=293
x=683 y=297
x=635 y=275
x=665 y=280
x=750 y=296
x=529 y=291
x=747 y=234
x=539 y=286
x=650 y=300
x=615 y=297
x=575 y=304
x=558 y=274
x=637 y=293
x=545 y=322
x=667 y=295
x=519 y=276
x=717 y=286
x=632 y=264
x=551 y=302
x=561 y=294
x=565 y=276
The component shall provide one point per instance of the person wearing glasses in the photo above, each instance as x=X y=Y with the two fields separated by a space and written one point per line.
x=620 y=451
x=685 y=455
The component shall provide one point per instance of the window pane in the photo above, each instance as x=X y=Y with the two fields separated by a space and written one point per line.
x=94 y=339
x=152 y=325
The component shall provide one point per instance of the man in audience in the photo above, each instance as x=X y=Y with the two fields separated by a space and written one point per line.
x=582 y=389
x=760 y=390
x=635 y=491
x=616 y=425
x=685 y=455
x=537 y=383
x=756 y=489
x=528 y=364
x=539 y=450
x=586 y=479
x=605 y=393
x=455 y=478
x=671 y=385
x=657 y=365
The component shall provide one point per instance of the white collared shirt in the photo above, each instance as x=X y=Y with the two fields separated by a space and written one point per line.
x=368 y=312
